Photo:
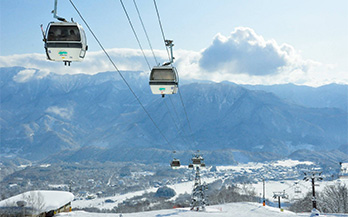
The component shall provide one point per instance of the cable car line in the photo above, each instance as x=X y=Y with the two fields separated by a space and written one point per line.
x=173 y=106
x=167 y=42
x=119 y=72
x=147 y=36
x=159 y=73
x=171 y=60
x=160 y=24
x=175 y=123
x=129 y=20
x=177 y=117
x=135 y=34
x=142 y=23
x=176 y=113
x=156 y=70
x=188 y=121
x=140 y=46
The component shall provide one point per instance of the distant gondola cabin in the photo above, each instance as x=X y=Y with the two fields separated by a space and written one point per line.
x=175 y=163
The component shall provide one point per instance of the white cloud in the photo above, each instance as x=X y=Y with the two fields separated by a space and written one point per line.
x=24 y=75
x=94 y=62
x=245 y=52
x=29 y=74
x=65 y=113
x=243 y=57
x=247 y=58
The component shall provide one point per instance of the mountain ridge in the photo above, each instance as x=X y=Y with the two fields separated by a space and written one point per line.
x=57 y=113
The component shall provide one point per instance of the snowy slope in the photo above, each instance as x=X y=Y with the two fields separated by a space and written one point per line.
x=289 y=187
x=243 y=209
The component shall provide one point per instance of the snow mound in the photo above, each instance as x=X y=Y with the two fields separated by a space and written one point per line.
x=44 y=200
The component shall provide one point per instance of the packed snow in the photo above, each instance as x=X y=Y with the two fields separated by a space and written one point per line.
x=242 y=209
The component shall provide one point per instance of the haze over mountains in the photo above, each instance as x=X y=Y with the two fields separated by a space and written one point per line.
x=77 y=117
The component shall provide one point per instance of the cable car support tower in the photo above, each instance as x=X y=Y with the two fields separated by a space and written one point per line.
x=198 y=196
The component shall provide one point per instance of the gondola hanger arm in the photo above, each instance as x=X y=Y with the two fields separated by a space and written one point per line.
x=54 y=11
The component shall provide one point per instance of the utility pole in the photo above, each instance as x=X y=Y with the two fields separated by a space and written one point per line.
x=313 y=176
x=264 y=192
x=280 y=195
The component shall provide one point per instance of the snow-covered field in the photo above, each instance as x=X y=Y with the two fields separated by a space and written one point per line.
x=180 y=188
x=253 y=165
x=285 y=166
x=243 y=209
x=100 y=202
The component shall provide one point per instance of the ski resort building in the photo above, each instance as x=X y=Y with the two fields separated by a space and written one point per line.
x=37 y=203
x=344 y=170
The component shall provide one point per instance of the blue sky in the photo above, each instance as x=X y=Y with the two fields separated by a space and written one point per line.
x=254 y=41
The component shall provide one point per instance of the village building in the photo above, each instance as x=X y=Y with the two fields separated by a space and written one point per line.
x=343 y=170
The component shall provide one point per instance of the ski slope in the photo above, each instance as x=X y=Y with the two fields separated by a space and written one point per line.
x=288 y=187
x=242 y=209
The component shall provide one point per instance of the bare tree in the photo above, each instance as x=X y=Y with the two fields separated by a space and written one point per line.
x=35 y=201
x=303 y=205
x=248 y=190
x=334 y=199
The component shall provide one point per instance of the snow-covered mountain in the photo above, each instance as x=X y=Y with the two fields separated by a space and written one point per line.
x=97 y=117
x=327 y=96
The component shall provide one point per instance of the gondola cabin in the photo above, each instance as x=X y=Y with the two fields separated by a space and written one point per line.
x=197 y=160
x=65 y=42
x=164 y=80
x=175 y=164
